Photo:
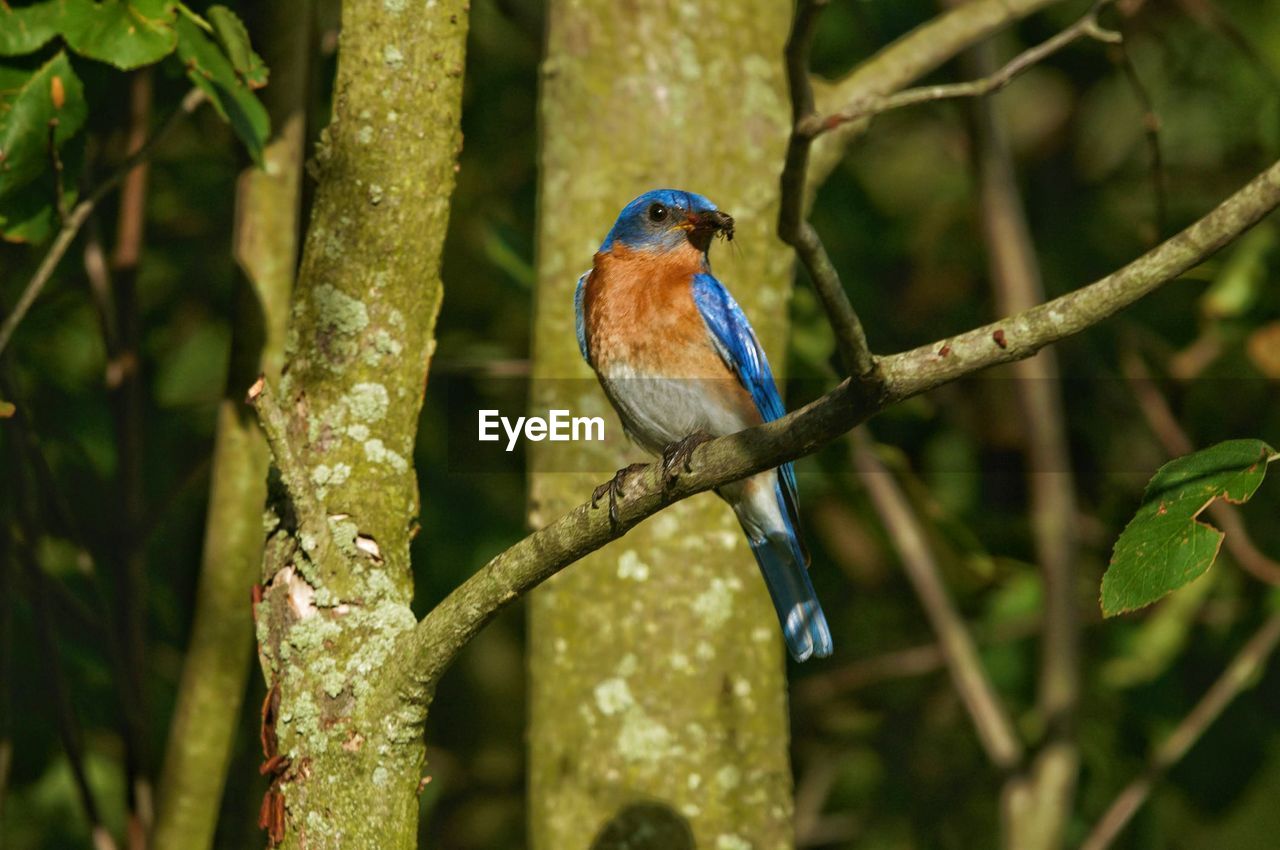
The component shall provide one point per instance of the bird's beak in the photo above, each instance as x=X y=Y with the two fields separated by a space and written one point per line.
x=702 y=226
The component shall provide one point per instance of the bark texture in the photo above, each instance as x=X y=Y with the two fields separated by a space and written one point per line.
x=658 y=684
x=216 y=668
x=347 y=743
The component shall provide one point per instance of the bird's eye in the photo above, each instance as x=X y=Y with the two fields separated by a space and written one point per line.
x=657 y=212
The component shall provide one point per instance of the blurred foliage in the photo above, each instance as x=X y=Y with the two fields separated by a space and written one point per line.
x=892 y=763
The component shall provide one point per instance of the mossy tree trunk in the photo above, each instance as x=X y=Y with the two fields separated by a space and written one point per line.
x=341 y=425
x=658 y=683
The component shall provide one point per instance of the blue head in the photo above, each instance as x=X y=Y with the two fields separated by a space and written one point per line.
x=665 y=219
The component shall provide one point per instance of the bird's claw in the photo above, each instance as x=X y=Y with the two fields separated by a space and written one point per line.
x=676 y=456
x=614 y=488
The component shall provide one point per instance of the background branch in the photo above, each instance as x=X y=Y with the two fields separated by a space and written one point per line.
x=995 y=729
x=992 y=81
x=912 y=56
x=1040 y=801
x=80 y=214
x=1238 y=676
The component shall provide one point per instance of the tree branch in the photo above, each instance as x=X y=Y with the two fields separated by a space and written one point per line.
x=1039 y=801
x=872 y=104
x=793 y=228
x=80 y=214
x=1233 y=681
x=995 y=729
x=430 y=647
x=915 y=54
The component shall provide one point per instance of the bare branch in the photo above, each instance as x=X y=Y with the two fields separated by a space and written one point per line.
x=80 y=214
x=871 y=104
x=793 y=228
x=915 y=54
x=435 y=641
x=995 y=728
x=1234 y=680
x=1151 y=130
x=1045 y=792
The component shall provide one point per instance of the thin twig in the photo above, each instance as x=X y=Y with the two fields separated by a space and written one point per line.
x=125 y=392
x=63 y=711
x=793 y=228
x=80 y=213
x=995 y=728
x=875 y=104
x=1162 y=422
x=896 y=664
x=915 y=54
x=1151 y=131
x=1238 y=675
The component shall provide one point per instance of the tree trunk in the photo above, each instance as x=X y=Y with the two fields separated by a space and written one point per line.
x=348 y=750
x=217 y=663
x=658 y=684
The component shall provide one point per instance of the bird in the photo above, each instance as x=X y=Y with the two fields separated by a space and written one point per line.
x=678 y=360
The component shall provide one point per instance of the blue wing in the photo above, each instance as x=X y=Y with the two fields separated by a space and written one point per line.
x=737 y=345
x=580 y=319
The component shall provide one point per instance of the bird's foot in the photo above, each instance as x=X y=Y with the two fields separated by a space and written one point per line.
x=675 y=457
x=613 y=487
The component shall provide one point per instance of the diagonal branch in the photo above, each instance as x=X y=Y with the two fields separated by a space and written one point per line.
x=80 y=214
x=990 y=718
x=871 y=104
x=1235 y=679
x=912 y=56
x=432 y=645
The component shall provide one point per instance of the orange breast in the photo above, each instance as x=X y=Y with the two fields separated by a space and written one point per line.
x=640 y=315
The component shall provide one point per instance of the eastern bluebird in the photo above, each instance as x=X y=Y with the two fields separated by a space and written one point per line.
x=678 y=360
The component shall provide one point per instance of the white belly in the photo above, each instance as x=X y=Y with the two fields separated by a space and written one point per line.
x=658 y=411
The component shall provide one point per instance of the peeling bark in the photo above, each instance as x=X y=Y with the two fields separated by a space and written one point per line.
x=345 y=747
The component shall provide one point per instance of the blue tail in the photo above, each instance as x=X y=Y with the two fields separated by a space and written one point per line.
x=804 y=625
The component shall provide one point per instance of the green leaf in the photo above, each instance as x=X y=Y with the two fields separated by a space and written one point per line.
x=211 y=70
x=28 y=28
x=34 y=107
x=27 y=214
x=234 y=39
x=124 y=33
x=1165 y=546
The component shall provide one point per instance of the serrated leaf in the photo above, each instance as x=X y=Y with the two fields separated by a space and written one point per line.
x=124 y=33
x=28 y=28
x=1165 y=546
x=28 y=113
x=234 y=38
x=211 y=70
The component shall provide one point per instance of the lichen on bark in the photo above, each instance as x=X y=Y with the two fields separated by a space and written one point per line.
x=657 y=673
x=336 y=570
